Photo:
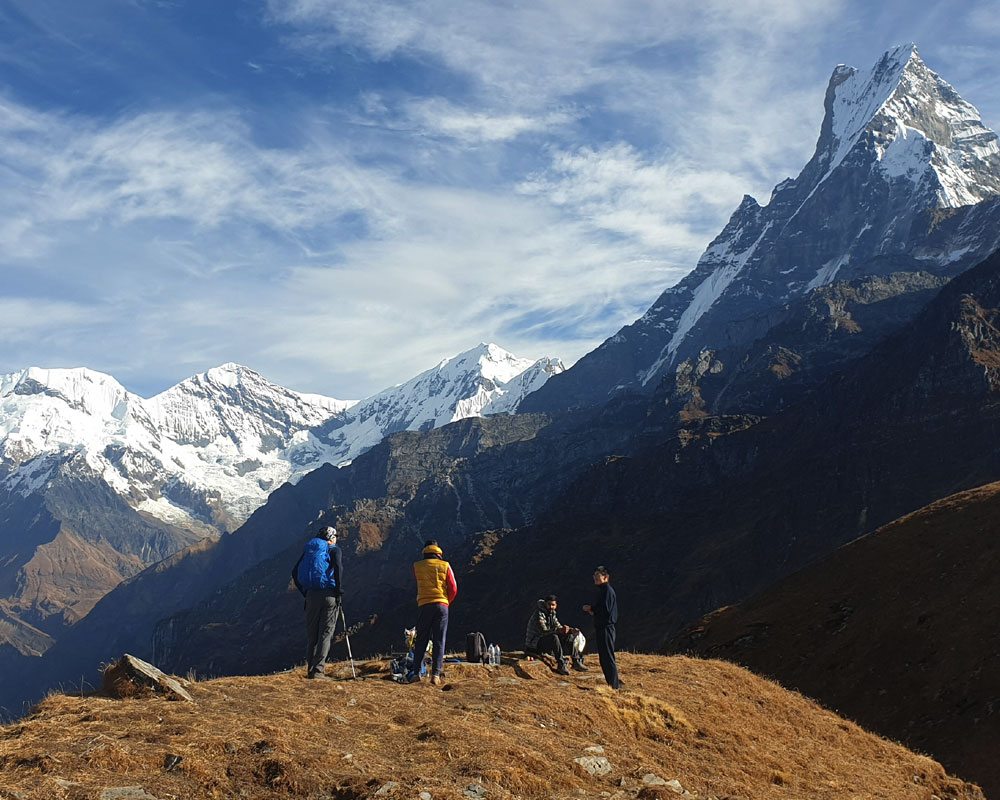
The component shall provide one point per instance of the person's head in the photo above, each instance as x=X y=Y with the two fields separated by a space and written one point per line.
x=329 y=533
x=551 y=602
x=601 y=575
x=431 y=549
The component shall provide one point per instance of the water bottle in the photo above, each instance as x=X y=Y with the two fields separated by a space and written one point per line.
x=496 y=655
x=490 y=656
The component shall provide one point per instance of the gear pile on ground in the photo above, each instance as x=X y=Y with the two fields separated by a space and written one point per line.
x=685 y=727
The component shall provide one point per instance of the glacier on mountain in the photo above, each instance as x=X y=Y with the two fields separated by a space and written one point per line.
x=207 y=452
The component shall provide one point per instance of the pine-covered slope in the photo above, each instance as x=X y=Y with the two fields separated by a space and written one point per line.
x=905 y=178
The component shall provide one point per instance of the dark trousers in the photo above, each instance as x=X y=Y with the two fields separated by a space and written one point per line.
x=432 y=626
x=606 y=654
x=558 y=644
x=322 y=610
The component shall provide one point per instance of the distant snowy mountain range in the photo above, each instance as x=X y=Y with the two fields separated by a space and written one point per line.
x=208 y=451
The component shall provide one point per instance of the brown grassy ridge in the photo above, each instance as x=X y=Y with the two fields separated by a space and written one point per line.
x=513 y=730
x=897 y=630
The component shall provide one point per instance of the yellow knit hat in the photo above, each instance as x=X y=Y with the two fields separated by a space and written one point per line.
x=432 y=548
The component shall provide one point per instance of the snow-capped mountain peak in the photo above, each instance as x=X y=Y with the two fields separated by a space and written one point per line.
x=916 y=125
x=84 y=389
x=484 y=380
x=489 y=360
x=905 y=176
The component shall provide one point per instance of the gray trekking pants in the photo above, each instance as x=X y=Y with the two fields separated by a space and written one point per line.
x=322 y=610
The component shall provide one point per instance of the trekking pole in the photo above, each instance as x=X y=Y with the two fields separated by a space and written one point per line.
x=348 y=640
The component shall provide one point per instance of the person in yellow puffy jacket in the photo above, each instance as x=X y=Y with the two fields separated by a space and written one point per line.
x=436 y=589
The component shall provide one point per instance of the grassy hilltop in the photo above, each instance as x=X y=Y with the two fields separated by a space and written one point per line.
x=684 y=727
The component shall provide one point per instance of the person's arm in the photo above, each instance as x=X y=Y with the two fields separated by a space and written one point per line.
x=337 y=568
x=450 y=586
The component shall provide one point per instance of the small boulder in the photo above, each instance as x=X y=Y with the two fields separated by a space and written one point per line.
x=593 y=765
x=126 y=793
x=123 y=677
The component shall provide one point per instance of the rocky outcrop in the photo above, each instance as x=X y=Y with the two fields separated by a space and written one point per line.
x=812 y=338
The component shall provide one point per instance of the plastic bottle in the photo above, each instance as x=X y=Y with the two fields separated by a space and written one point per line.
x=491 y=654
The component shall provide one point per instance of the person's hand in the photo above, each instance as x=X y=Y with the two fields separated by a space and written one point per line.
x=565 y=629
x=589 y=610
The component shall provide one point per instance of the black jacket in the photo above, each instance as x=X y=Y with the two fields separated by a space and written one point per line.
x=605 y=606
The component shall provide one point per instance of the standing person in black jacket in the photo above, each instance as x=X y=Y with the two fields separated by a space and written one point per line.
x=318 y=576
x=605 y=614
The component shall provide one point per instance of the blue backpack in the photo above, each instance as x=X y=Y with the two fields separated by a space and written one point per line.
x=314 y=566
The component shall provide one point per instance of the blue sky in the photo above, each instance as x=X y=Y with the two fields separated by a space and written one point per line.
x=341 y=193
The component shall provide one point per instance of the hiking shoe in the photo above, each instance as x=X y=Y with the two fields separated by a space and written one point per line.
x=579 y=666
x=562 y=670
x=435 y=680
x=412 y=677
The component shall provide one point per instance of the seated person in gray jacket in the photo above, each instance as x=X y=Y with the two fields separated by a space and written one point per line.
x=546 y=634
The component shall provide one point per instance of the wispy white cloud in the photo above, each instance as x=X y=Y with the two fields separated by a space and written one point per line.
x=440 y=116
x=529 y=173
x=658 y=204
x=26 y=318
x=200 y=167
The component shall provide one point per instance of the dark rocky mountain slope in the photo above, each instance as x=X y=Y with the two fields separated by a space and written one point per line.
x=896 y=630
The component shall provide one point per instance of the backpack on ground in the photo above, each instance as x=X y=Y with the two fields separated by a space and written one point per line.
x=475 y=648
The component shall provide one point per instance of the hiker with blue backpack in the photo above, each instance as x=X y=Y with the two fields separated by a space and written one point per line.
x=318 y=575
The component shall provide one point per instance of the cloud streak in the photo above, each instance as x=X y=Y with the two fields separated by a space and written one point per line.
x=373 y=187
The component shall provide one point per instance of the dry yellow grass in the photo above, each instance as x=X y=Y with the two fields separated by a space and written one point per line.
x=513 y=730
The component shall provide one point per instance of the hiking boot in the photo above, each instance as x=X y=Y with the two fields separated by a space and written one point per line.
x=412 y=677
x=562 y=670
x=435 y=680
x=579 y=666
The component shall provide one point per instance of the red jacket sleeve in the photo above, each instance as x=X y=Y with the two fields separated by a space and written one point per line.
x=450 y=586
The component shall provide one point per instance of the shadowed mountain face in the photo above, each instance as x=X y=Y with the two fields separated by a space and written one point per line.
x=904 y=178
x=896 y=630
x=67 y=544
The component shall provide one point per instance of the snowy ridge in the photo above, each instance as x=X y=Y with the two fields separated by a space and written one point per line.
x=897 y=131
x=921 y=129
x=209 y=450
x=484 y=380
